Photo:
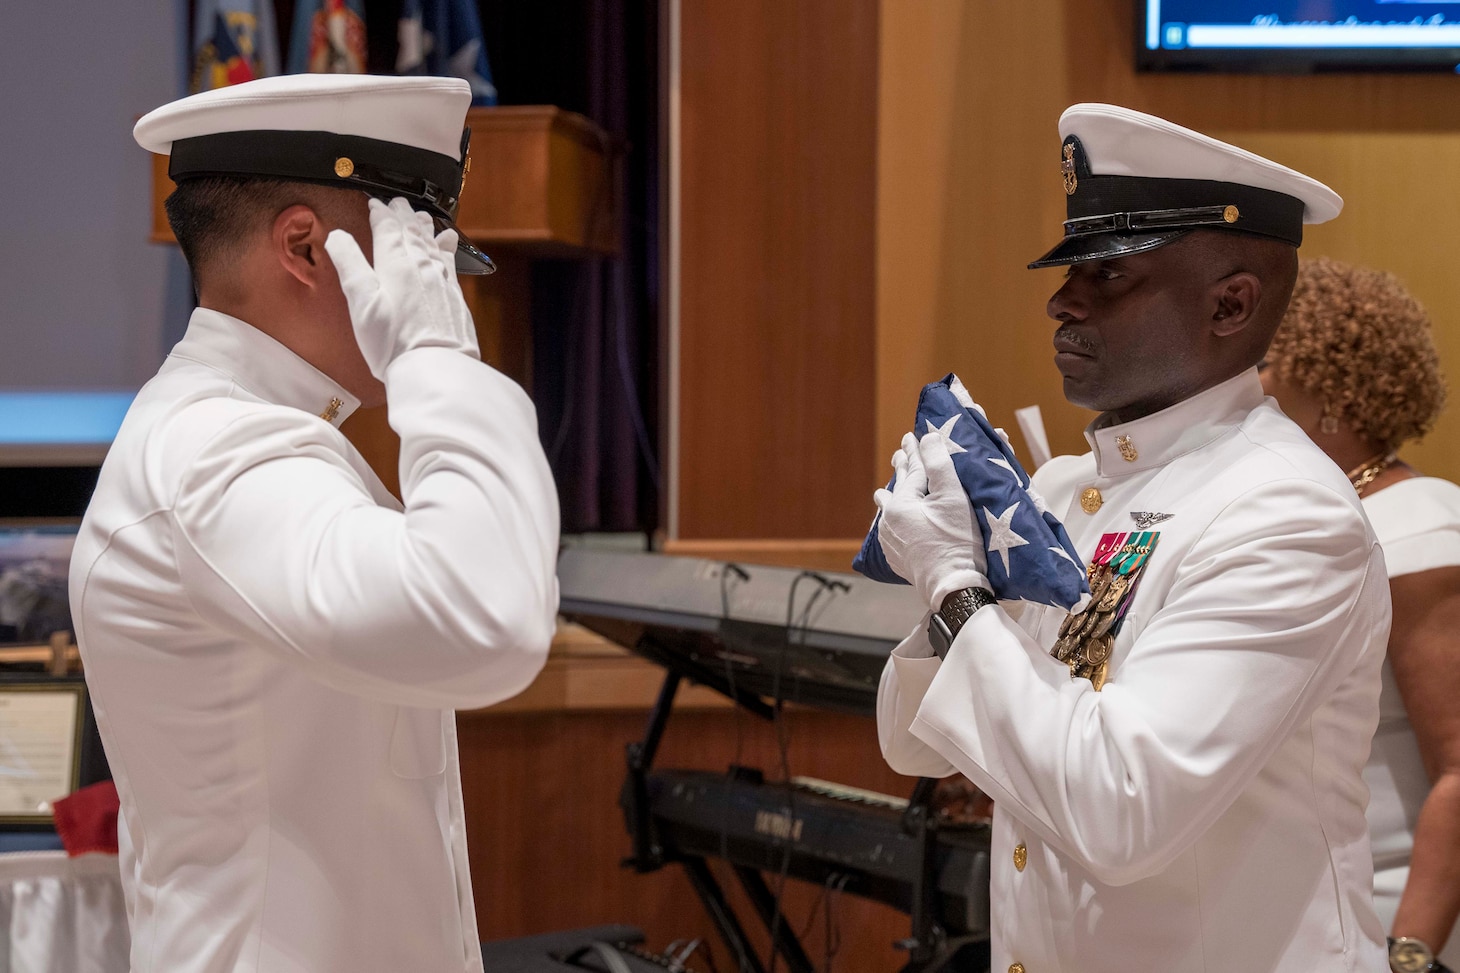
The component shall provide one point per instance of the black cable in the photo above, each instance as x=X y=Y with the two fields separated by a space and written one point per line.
x=783 y=744
x=726 y=570
x=814 y=912
x=709 y=955
x=804 y=624
x=783 y=748
x=833 y=943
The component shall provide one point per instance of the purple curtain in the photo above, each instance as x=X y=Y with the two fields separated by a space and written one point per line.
x=595 y=320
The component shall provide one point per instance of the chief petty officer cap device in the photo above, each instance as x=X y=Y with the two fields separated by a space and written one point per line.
x=1134 y=182
x=386 y=137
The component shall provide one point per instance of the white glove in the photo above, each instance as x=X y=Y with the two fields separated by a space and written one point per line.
x=410 y=298
x=927 y=530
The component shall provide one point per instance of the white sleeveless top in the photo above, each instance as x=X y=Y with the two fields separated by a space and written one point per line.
x=1417 y=522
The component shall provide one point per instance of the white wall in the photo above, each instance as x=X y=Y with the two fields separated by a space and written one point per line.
x=83 y=295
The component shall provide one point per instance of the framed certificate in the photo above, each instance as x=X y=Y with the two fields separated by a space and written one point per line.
x=40 y=747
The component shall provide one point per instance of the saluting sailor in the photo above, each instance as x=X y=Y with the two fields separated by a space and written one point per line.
x=273 y=643
x=1175 y=770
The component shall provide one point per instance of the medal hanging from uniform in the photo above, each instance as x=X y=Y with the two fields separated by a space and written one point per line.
x=1087 y=639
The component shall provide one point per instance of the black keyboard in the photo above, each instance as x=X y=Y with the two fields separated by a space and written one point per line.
x=854 y=841
x=722 y=624
x=765 y=636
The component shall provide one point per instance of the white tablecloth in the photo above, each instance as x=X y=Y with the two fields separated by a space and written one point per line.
x=62 y=915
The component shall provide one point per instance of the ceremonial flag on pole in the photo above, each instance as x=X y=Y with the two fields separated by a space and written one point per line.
x=1030 y=556
x=328 y=37
x=233 y=41
x=443 y=38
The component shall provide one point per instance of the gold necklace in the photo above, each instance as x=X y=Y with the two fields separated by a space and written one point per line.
x=1368 y=471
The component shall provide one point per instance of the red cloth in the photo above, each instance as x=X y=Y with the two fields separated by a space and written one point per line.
x=86 y=820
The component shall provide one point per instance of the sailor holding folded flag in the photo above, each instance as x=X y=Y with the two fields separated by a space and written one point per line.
x=1175 y=766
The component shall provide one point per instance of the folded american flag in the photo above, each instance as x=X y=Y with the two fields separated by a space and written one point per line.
x=1030 y=557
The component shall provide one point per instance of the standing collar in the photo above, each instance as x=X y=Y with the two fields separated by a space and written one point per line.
x=1155 y=440
x=262 y=366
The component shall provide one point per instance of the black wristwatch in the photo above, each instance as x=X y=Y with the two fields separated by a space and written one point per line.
x=956 y=609
x=1410 y=955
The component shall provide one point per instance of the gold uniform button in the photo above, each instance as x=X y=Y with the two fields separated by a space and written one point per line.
x=1021 y=857
x=1016 y=968
x=1091 y=500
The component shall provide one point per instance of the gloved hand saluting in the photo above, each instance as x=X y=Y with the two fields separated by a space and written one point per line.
x=927 y=530
x=410 y=298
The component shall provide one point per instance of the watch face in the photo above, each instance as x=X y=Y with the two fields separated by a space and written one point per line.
x=1409 y=955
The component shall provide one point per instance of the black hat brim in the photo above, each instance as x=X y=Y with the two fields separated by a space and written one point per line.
x=469 y=259
x=1103 y=246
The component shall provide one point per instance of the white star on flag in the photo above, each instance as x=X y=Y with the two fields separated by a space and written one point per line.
x=414 y=44
x=1001 y=533
x=1063 y=553
x=1000 y=461
x=463 y=64
x=946 y=431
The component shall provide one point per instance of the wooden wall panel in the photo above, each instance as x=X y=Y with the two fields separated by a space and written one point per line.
x=814 y=555
x=966 y=197
x=778 y=150
x=968 y=187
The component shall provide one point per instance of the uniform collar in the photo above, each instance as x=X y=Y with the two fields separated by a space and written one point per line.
x=262 y=366
x=1155 y=440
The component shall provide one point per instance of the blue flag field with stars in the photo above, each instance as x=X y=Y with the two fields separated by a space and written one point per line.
x=1030 y=556
x=444 y=38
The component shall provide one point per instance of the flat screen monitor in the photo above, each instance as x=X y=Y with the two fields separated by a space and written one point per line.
x=35 y=564
x=59 y=428
x=1296 y=36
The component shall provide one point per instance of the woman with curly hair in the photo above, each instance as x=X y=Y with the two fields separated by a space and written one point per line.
x=1354 y=364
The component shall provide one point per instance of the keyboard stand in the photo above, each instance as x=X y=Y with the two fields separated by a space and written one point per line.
x=765 y=904
x=648 y=856
x=929 y=948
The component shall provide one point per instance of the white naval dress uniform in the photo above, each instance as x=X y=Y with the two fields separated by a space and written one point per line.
x=1205 y=810
x=274 y=650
